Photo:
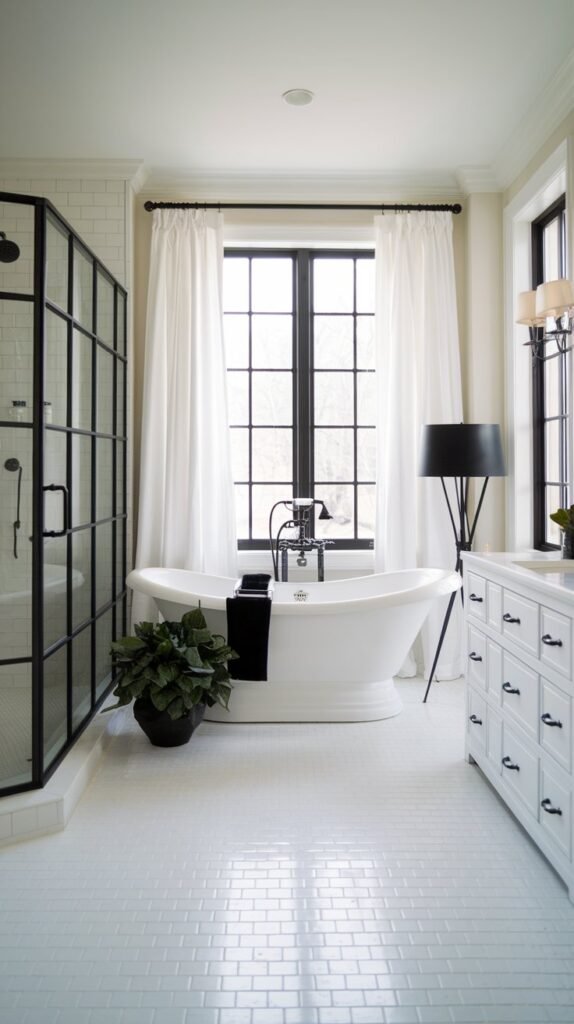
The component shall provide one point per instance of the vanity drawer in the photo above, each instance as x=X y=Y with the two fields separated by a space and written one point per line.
x=476 y=715
x=476 y=659
x=476 y=590
x=555 y=812
x=519 y=694
x=556 y=723
x=555 y=640
x=520 y=768
x=520 y=620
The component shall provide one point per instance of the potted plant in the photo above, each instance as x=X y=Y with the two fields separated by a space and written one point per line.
x=564 y=517
x=172 y=671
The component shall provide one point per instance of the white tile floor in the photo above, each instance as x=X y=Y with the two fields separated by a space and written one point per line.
x=288 y=874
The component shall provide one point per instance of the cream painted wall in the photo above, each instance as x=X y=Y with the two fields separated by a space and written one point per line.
x=484 y=348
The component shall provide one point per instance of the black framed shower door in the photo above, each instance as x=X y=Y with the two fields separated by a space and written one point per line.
x=63 y=389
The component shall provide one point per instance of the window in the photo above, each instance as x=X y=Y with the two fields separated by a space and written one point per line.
x=299 y=334
x=551 y=388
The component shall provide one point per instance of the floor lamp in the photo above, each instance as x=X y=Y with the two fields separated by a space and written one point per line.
x=460 y=451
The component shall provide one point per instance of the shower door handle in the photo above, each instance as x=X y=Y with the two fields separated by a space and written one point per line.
x=64 y=491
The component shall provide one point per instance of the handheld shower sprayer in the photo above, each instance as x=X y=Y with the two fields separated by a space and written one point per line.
x=14 y=466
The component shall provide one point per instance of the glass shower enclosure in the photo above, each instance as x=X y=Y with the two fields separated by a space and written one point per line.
x=62 y=486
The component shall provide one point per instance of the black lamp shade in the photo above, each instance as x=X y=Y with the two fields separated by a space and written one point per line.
x=461 y=449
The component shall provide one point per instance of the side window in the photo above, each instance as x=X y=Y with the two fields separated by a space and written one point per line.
x=551 y=389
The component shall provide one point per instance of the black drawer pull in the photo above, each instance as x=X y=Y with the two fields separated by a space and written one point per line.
x=509 y=688
x=546 y=805
x=508 y=764
x=474 y=656
x=548 y=720
x=507 y=617
x=475 y=597
x=547 y=639
x=475 y=720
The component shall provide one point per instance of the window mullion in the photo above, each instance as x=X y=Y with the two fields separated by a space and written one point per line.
x=303 y=420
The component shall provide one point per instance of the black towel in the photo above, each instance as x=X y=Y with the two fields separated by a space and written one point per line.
x=248 y=621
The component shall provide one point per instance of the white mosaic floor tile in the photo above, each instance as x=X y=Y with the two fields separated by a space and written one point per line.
x=288 y=874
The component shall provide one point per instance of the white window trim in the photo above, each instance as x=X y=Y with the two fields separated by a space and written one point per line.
x=548 y=183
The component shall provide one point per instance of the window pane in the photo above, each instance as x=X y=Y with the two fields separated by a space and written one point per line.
x=552 y=386
x=333 y=342
x=236 y=331
x=55 y=590
x=366 y=409
x=552 y=447
x=105 y=391
x=264 y=498
x=553 y=501
x=103 y=666
x=104 y=478
x=235 y=284
x=272 y=341
x=238 y=397
x=339 y=501
x=365 y=343
x=103 y=564
x=366 y=452
x=334 y=455
x=272 y=454
x=365 y=286
x=81 y=479
x=272 y=285
x=240 y=453
x=81 y=577
x=366 y=502
x=334 y=401
x=81 y=676
x=272 y=398
x=121 y=408
x=552 y=250
x=120 y=322
x=55 y=703
x=15 y=724
x=333 y=286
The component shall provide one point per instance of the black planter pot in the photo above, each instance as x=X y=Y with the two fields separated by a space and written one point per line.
x=567 y=543
x=163 y=731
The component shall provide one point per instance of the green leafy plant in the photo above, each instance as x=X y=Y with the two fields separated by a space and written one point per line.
x=173 y=665
x=564 y=517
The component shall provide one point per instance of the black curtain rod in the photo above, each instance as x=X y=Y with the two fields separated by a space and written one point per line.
x=380 y=207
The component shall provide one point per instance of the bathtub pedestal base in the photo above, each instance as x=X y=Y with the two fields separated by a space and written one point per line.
x=308 y=702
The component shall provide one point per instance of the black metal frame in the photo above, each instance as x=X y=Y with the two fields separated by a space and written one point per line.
x=539 y=418
x=44 y=213
x=303 y=373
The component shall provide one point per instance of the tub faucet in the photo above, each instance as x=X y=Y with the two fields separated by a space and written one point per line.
x=301 y=509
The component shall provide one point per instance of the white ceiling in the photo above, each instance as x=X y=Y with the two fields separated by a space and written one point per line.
x=193 y=87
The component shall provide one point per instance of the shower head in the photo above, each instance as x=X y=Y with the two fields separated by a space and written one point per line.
x=12 y=465
x=9 y=251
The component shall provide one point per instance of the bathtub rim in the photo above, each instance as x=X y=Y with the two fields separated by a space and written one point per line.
x=443 y=583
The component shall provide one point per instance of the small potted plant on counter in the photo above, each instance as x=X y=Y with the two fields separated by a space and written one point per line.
x=564 y=517
x=172 y=671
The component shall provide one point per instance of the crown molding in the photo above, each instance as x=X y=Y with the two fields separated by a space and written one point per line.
x=299 y=187
x=548 y=111
x=477 y=179
x=73 y=169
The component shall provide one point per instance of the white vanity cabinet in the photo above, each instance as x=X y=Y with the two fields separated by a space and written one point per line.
x=519 y=618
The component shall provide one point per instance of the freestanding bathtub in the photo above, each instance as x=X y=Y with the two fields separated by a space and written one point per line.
x=333 y=647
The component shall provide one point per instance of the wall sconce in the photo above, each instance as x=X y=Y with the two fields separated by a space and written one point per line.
x=547 y=312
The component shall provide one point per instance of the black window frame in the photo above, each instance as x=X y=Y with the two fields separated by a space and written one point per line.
x=557 y=210
x=303 y=378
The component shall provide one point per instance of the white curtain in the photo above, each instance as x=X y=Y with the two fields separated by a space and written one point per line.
x=186 y=503
x=418 y=381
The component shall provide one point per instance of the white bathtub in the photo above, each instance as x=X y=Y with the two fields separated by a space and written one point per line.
x=332 y=655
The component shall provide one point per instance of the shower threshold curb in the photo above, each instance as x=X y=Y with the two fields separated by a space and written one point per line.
x=38 y=812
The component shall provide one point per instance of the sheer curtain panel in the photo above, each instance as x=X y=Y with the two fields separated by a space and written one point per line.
x=186 y=503
x=418 y=381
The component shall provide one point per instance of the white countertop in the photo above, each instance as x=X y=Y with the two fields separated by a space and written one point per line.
x=545 y=571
